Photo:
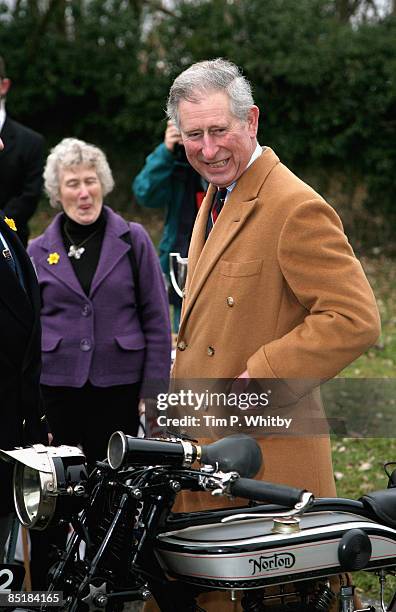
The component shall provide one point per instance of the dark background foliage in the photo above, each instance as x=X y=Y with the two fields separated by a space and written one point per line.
x=323 y=73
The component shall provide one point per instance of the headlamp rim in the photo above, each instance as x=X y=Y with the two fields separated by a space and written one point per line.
x=47 y=502
x=44 y=460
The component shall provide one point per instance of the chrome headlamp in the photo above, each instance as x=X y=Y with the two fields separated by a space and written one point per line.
x=48 y=481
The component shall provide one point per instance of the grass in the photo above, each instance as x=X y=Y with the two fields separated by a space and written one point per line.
x=380 y=361
x=358 y=461
x=358 y=467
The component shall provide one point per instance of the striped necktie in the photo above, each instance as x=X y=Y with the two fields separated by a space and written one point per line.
x=218 y=203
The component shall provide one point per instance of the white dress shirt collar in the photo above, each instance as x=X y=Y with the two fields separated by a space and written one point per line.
x=2 y=114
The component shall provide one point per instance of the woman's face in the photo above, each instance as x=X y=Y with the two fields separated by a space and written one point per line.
x=80 y=193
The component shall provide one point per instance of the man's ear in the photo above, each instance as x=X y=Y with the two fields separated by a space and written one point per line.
x=5 y=85
x=252 y=120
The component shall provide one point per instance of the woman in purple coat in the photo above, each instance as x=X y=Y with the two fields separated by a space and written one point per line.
x=106 y=339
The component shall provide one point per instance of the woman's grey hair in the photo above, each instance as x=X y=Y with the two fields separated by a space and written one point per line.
x=69 y=153
x=208 y=76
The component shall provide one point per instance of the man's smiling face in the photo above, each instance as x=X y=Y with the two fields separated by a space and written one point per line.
x=218 y=145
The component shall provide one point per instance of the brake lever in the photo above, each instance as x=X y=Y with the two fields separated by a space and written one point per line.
x=306 y=502
x=214 y=480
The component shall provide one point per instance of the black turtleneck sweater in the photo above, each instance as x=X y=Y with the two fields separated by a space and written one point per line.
x=85 y=267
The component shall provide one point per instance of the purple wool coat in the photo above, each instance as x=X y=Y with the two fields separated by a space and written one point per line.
x=98 y=338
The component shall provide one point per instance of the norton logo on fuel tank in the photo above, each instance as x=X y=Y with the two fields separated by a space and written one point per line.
x=277 y=561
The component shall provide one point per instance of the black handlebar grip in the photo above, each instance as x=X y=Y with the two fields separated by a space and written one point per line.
x=259 y=490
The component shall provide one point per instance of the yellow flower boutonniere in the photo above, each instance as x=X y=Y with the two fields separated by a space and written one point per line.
x=10 y=223
x=53 y=258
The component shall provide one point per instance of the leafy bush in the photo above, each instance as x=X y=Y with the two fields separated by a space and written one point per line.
x=325 y=85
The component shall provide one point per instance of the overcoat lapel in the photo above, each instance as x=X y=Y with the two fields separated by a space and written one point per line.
x=232 y=219
x=29 y=274
x=203 y=256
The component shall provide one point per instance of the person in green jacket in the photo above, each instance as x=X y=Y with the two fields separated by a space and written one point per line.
x=168 y=181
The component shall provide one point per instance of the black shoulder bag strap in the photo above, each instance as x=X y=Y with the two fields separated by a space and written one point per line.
x=135 y=273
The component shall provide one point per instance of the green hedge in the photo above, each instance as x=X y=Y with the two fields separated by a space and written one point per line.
x=325 y=86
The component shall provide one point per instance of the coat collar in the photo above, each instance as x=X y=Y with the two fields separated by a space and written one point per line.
x=113 y=249
x=241 y=202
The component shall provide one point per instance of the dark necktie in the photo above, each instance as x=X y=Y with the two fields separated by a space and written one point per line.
x=218 y=203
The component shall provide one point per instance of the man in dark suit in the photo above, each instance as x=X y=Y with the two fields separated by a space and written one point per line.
x=21 y=165
x=20 y=347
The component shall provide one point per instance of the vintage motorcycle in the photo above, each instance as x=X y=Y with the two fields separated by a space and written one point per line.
x=135 y=547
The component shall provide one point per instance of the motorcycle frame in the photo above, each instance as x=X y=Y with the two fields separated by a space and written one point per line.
x=151 y=506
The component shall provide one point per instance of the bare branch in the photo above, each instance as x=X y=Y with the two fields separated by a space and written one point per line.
x=157 y=5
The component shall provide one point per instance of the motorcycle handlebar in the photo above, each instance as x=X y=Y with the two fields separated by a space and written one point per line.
x=238 y=452
x=257 y=490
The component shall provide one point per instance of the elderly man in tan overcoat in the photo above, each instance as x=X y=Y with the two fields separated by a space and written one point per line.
x=274 y=290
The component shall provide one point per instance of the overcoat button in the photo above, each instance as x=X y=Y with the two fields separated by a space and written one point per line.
x=86 y=310
x=181 y=345
x=85 y=344
x=230 y=301
x=211 y=351
x=183 y=293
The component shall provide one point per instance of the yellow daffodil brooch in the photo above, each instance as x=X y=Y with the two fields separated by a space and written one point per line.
x=10 y=223
x=53 y=258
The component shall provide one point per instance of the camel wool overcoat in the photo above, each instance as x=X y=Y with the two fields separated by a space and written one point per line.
x=275 y=289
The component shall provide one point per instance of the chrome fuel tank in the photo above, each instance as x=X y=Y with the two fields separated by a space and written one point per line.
x=246 y=554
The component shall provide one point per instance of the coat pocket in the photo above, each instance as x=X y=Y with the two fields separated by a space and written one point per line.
x=242 y=268
x=131 y=342
x=50 y=343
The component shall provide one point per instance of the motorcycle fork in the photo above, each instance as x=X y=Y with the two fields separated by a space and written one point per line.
x=94 y=563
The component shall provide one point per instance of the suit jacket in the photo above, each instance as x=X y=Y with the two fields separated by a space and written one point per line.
x=276 y=289
x=99 y=337
x=20 y=335
x=21 y=174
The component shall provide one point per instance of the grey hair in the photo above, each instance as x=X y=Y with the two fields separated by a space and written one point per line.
x=208 y=76
x=71 y=152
